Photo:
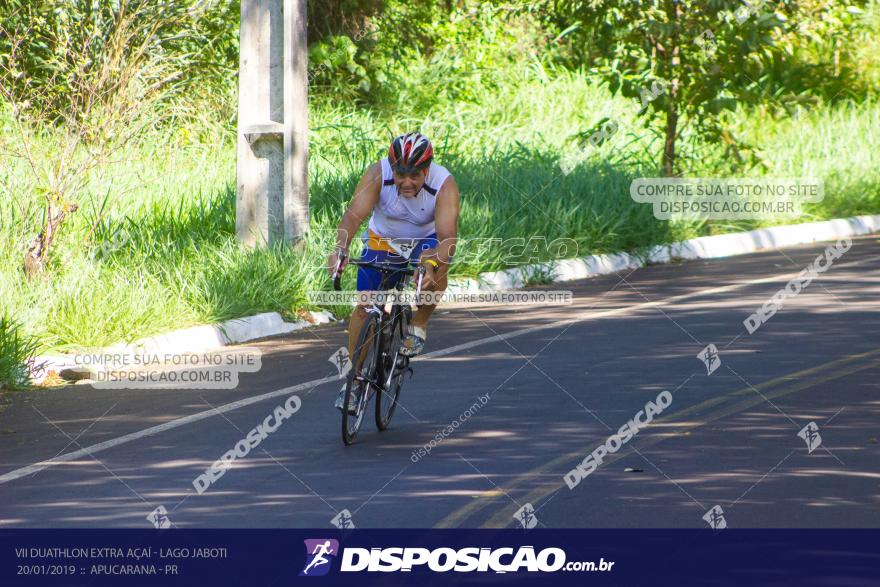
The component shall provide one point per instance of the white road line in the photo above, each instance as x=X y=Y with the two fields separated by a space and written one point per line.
x=101 y=446
x=90 y=450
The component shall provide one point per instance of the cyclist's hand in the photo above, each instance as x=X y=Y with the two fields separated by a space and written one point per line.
x=428 y=280
x=334 y=259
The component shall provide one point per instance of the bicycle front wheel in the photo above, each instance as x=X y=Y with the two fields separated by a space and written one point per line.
x=394 y=366
x=361 y=378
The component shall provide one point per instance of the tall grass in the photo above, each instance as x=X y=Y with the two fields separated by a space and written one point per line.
x=161 y=253
x=840 y=145
x=17 y=349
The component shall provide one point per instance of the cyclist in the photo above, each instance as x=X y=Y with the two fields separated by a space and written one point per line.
x=413 y=204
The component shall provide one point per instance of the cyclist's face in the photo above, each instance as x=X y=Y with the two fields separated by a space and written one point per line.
x=409 y=184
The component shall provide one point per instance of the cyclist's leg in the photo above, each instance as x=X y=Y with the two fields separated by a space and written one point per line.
x=367 y=280
x=417 y=335
x=423 y=313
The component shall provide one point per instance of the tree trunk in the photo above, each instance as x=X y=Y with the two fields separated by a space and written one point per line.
x=38 y=251
x=674 y=15
x=669 y=144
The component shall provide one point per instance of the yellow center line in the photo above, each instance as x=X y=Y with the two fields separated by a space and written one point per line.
x=457 y=517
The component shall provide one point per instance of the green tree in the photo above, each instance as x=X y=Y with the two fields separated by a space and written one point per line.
x=691 y=63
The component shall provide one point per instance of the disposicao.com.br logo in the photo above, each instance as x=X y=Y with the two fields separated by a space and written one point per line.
x=441 y=560
x=463 y=560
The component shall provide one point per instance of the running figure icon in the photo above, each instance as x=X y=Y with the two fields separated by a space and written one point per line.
x=318 y=551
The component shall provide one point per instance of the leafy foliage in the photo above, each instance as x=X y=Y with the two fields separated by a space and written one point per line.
x=423 y=53
x=712 y=57
x=59 y=47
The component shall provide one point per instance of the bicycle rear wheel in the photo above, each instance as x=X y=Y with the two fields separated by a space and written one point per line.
x=361 y=378
x=394 y=366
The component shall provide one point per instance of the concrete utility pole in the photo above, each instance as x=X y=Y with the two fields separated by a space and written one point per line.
x=272 y=201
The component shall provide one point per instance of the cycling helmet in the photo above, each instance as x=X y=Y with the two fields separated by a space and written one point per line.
x=410 y=152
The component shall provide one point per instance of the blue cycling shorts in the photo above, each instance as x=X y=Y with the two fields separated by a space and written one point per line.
x=369 y=279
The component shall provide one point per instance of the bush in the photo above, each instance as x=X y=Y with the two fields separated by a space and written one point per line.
x=62 y=44
x=423 y=53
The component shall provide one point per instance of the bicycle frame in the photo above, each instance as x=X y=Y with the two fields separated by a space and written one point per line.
x=386 y=270
x=380 y=374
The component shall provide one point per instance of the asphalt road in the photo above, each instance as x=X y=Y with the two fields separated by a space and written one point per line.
x=556 y=382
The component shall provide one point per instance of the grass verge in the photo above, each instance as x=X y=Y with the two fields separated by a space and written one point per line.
x=154 y=248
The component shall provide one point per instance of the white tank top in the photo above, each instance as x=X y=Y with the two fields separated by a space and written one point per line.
x=395 y=216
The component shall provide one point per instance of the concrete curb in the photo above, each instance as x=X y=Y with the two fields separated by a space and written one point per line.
x=704 y=247
x=206 y=337
x=195 y=339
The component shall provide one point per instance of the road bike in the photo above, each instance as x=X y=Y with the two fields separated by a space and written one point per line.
x=378 y=366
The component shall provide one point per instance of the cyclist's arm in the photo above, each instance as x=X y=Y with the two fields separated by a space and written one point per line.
x=446 y=220
x=366 y=195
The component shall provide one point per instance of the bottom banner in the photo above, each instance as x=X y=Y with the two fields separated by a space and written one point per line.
x=423 y=557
